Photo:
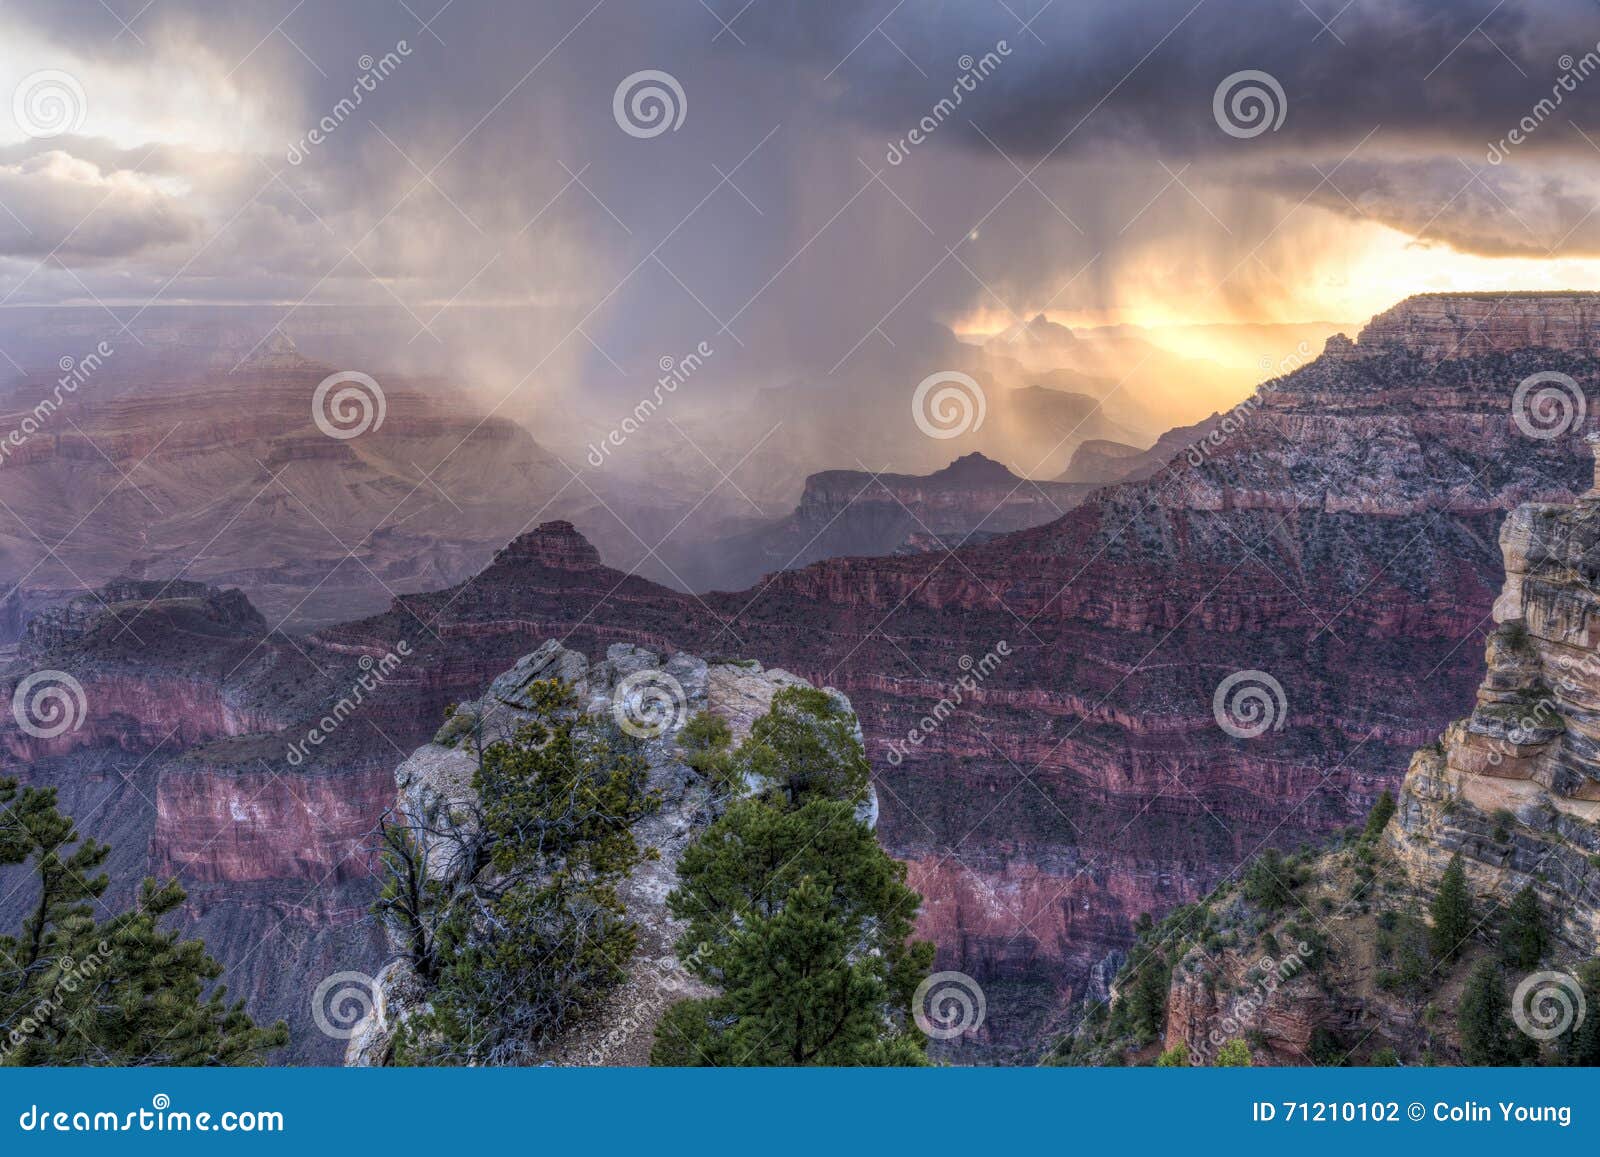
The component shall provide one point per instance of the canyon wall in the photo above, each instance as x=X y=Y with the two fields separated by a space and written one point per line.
x=1336 y=532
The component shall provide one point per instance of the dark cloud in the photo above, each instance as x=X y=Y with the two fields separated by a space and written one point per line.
x=487 y=170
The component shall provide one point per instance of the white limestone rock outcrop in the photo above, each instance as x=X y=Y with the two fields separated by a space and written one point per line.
x=435 y=788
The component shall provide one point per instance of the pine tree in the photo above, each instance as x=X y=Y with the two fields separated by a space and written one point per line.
x=1269 y=881
x=1488 y=1036
x=1382 y=812
x=795 y=913
x=1177 y=1057
x=806 y=748
x=1452 y=912
x=1523 y=939
x=1147 y=998
x=525 y=935
x=804 y=922
x=114 y=991
x=1581 y=1046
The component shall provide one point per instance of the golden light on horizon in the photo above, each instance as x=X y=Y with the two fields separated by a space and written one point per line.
x=1347 y=277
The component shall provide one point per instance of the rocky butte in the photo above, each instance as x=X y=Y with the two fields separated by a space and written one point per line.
x=435 y=783
x=1335 y=532
x=855 y=512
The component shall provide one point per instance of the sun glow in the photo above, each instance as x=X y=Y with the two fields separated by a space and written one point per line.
x=1347 y=274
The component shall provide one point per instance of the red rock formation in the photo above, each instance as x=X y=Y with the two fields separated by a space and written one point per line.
x=223 y=825
x=1336 y=532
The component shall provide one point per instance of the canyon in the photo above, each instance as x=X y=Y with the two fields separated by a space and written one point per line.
x=1336 y=532
x=857 y=513
x=1512 y=789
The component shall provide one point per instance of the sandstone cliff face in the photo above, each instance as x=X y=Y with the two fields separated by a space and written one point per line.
x=1515 y=787
x=1448 y=326
x=1511 y=789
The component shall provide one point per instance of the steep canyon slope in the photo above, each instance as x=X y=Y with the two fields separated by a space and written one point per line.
x=1336 y=533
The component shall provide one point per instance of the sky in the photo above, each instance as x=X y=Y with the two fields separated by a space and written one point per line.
x=795 y=182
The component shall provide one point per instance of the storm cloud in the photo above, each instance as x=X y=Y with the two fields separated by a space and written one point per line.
x=844 y=174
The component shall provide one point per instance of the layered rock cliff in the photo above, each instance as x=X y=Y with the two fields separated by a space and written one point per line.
x=845 y=513
x=1511 y=789
x=1337 y=532
x=1515 y=786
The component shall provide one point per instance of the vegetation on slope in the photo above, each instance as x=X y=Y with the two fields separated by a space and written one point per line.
x=80 y=985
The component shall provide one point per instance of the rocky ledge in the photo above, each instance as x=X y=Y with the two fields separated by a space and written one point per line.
x=1440 y=326
x=203 y=607
x=435 y=783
